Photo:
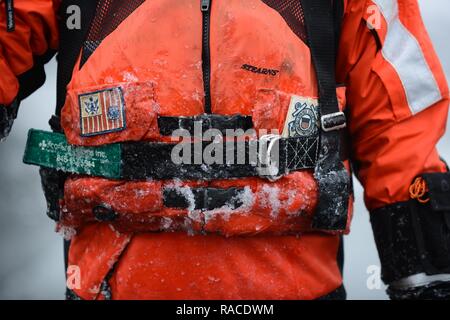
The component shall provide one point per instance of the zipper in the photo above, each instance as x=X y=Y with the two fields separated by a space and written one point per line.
x=206 y=52
x=10 y=21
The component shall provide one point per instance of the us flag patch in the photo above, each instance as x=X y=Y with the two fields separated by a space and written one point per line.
x=102 y=111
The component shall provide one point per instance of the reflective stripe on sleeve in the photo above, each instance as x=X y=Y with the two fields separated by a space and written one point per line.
x=402 y=50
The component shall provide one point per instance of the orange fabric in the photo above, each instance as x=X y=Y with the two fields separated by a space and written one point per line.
x=93 y=258
x=178 y=266
x=36 y=31
x=140 y=206
x=390 y=146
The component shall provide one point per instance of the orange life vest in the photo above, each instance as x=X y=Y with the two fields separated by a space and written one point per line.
x=258 y=65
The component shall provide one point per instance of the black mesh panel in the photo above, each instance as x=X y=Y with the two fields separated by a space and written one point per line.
x=292 y=13
x=109 y=14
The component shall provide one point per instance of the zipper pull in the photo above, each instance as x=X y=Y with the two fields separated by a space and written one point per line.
x=205 y=4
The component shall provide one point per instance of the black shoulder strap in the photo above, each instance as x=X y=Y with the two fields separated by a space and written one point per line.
x=71 y=41
x=330 y=173
x=338 y=9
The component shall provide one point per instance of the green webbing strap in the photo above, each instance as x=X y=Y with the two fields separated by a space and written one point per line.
x=51 y=150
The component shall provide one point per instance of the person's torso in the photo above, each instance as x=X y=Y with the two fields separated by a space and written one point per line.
x=257 y=64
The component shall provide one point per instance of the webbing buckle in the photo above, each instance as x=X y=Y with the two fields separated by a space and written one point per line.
x=333 y=121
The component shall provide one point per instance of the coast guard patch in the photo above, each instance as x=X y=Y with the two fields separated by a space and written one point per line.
x=302 y=119
x=101 y=112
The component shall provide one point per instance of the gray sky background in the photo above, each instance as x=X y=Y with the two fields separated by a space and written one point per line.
x=31 y=264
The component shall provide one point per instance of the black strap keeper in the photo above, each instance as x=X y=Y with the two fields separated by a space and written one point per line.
x=204 y=198
x=334 y=121
x=412 y=238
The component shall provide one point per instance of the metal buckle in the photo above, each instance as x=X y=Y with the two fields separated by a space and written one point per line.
x=266 y=167
x=333 y=121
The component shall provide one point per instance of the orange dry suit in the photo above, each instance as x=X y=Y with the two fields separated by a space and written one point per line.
x=144 y=227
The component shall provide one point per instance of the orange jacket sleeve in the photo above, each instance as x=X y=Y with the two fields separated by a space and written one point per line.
x=22 y=49
x=397 y=97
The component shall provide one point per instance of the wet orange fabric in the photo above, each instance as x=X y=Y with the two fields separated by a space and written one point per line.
x=179 y=266
x=36 y=31
x=140 y=206
x=93 y=258
x=167 y=80
x=390 y=145
x=160 y=71
x=173 y=70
